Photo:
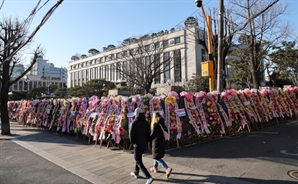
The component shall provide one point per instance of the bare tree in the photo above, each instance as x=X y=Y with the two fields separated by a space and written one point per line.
x=144 y=61
x=261 y=32
x=260 y=15
x=14 y=36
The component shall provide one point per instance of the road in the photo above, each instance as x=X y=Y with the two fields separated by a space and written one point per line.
x=261 y=156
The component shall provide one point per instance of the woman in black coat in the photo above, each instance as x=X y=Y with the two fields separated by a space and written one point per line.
x=158 y=143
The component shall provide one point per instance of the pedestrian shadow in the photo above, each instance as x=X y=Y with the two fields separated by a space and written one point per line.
x=197 y=179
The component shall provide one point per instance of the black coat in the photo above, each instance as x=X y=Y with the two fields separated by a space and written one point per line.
x=140 y=131
x=158 y=140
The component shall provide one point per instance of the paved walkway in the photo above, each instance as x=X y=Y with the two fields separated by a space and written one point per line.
x=100 y=165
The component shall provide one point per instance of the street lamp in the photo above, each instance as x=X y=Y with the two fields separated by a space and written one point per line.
x=207 y=66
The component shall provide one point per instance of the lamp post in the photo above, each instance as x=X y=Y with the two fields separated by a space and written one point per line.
x=207 y=67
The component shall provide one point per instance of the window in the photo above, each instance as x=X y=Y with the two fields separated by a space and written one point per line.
x=124 y=69
x=117 y=71
x=106 y=72
x=112 y=72
x=112 y=56
x=124 y=53
x=91 y=73
x=177 y=66
x=100 y=72
x=166 y=66
x=147 y=48
x=165 y=43
x=157 y=45
x=157 y=69
x=177 y=40
x=106 y=58
x=118 y=55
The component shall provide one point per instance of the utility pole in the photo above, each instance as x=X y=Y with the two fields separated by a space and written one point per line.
x=207 y=66
x=219 y=84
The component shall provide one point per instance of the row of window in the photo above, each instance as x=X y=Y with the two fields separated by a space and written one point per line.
x=119 y=55
x=111 y=72
x=26 y=86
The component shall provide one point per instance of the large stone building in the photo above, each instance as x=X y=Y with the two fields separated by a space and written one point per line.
x=181 y=44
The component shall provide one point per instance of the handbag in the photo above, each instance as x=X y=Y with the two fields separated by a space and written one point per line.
x=165 y=134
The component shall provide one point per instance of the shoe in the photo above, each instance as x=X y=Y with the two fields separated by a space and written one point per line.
x=149 y=181
x=152 y=169
x=134 y=175
x=168 y=172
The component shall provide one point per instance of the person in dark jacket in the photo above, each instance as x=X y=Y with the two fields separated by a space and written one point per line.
x=158 y=143
x=139 y=134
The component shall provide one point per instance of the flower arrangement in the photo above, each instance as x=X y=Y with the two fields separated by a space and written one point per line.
x=238 y=106
x=63 y=116
x=267 y=103
x=272 y=97
x=200 y=102
x=192 y=112
x=146 y=108
x=117 y=128
x=155 y=105
x=48 y=108
x=293 y=95
x=227 y=99
x=247 y=106
x=213 y=117
x=171 y=117
x=39 y=114
x=100 y=124
x=55 y=113
x=280 y=98
x=289 y=102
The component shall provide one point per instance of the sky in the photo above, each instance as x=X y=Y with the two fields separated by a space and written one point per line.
x=79 y=25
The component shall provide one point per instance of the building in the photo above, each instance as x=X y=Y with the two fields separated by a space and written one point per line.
x=32 y=81
x=42 y=74
x=181 y=44
x=43 y=69
x=17 y=70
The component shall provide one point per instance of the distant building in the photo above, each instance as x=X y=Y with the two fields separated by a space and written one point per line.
x=32 y=81
x=181 y=44
x=42 y=74
x=43 y=69
x=18 y=70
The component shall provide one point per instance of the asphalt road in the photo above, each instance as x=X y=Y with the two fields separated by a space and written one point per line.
x=261 y=156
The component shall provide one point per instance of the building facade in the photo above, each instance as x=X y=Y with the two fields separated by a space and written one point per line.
x=42 y=74
x=43 y=69
x=181 y=46
x=18 y=70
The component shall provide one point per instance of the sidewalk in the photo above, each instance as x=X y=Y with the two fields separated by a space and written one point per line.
x=100 y=165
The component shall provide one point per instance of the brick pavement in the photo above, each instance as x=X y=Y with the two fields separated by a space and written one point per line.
x=100 y=165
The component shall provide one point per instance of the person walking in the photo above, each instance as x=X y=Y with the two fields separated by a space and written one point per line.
x=158 y=143
x=139 y=134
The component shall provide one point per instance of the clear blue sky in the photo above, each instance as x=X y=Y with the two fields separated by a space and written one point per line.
x=78 y=25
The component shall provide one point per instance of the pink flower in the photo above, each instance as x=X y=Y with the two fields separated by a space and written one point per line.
x=173 y=93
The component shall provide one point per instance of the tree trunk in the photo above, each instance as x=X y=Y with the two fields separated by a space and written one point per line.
x=5 y=126
x=147 y=89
